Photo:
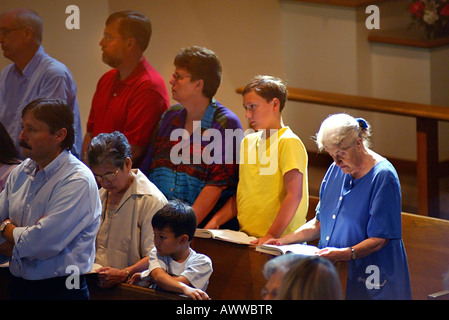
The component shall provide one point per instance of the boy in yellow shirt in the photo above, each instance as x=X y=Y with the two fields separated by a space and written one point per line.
x=272 y=194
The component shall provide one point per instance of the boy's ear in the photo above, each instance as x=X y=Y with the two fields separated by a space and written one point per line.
x=183 y=239
x=276 y=104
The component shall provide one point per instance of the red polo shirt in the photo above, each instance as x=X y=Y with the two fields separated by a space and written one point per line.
x=132 y=106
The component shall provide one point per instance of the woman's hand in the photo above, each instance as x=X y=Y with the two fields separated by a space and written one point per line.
x=212 y=225
x=335 y=254
x=264 y=240
x=109 y=277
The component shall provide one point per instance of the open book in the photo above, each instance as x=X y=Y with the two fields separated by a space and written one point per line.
x=225 y=235
x=297 y=248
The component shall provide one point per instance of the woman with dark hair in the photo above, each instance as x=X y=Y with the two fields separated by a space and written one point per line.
x=9 y=156
x=203 y=181
x=129 y=201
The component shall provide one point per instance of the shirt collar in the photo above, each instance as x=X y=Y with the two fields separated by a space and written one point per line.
x=206 y=121
x=208 y=117
x=30 y=168
x=135 y=73
x=137 y=188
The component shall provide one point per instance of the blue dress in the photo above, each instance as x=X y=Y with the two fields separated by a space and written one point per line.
x=352 y=210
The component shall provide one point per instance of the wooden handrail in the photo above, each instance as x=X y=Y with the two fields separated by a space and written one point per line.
x=410 y=109
x=427 y=117
x=344 y=3
x=407 y=37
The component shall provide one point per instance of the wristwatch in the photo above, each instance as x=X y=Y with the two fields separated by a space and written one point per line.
x=3 y=226
x=353 y=255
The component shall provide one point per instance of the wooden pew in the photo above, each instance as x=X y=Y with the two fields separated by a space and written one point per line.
x=426 y=242
x=120 y=292
x=238 y=268
x=237 y=273
x=129 y=292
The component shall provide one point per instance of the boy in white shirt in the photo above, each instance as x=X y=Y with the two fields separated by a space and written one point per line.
x=173 y=265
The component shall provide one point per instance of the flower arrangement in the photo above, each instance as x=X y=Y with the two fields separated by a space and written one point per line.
x=432 y=16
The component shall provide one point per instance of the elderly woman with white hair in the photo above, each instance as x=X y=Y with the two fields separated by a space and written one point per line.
x=358 y=218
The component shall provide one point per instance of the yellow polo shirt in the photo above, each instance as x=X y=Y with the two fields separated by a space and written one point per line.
x=261 y=190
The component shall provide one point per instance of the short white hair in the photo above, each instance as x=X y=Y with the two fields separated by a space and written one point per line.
x=340 y=130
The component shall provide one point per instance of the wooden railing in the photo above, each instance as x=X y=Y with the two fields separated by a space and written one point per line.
x=407 y=37
x=427 y=117
x=344 y=3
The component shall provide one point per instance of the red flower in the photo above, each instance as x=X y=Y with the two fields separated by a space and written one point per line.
x=445 y=10
x=417 y=8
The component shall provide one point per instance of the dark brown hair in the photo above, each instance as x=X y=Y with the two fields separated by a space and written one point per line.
x=203 y=64
x=133 y=24
x=268 y=87
x=56 y=114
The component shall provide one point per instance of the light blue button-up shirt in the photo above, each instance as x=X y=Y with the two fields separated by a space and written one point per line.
x=43 y=77
x=353 y=210
x=57 y=213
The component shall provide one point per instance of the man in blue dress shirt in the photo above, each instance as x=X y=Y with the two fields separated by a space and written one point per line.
x=50 y=209
x=33 y=73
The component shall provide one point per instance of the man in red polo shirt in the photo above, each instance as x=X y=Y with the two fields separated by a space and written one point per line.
x=132 y=97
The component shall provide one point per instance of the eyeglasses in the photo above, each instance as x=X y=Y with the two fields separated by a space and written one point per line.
x=109 y=177
x=4 y=32
x=176 y=76
x=340 y=153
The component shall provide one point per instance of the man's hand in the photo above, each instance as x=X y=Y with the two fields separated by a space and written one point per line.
x=109 y=277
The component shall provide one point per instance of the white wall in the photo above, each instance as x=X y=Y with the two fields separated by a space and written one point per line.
x=77 y=49
x=326 y=48
x=245 y=34
x=311 y=46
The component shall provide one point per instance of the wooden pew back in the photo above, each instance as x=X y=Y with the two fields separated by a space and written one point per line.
x=426 y=242
x=237 y=269
x=126 y=291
